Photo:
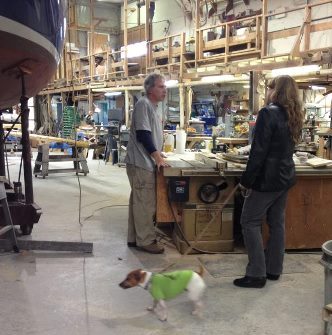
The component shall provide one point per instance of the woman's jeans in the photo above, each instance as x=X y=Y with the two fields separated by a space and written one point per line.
x=257 y=206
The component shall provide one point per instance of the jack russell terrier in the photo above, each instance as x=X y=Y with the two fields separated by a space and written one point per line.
x=165 y=286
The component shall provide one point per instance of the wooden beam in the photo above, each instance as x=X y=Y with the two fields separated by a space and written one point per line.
x=48 y=139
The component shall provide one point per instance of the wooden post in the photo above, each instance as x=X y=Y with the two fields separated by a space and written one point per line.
x=125 y=38
x=49 y=112
x=226 y=43
x=147 y=37
x=183 y=50
x=258 y=33
x=188 y=92
x=90 y=100
x=127 y=108
x=198 y=43
x=92 y=41
x=169 y=53
x=182 y=104
x=264 y=29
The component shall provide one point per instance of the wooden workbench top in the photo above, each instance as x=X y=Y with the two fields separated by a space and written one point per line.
x=207 y=164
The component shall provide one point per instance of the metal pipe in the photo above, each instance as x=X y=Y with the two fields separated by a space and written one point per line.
x=26 y=149
x=251 y=92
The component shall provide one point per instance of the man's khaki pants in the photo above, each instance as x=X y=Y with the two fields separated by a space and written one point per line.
x=142 y=205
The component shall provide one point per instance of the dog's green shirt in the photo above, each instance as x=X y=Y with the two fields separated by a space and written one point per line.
x=168 y=285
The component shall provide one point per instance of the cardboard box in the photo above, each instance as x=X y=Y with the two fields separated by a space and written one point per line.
x=201 y=246
x=207 y=224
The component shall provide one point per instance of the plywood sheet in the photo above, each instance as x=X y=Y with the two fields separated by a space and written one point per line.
x=319 y=162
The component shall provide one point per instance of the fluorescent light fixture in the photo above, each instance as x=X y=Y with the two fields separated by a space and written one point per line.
x=295 y=71
x=317 y=88
x=213 y=79
x=171 y=82
x=112 y=94
x=134 y=50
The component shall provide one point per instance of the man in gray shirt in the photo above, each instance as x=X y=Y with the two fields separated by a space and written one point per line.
x=143 y=157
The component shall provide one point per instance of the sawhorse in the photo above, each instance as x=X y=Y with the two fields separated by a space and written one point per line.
x=44 y=158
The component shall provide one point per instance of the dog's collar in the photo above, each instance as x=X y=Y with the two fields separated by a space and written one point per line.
x=146 y=283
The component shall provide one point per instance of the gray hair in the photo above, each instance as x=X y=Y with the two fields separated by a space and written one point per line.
x=150 y=81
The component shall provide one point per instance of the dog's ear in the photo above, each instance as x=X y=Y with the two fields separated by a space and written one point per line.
x=140 y=275
x=137 y=274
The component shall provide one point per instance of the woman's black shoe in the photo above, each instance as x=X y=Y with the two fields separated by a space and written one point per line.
x=270 y=276
x=254 y=282
x=131 y=244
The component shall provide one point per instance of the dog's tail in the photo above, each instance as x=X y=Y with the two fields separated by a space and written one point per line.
x=201 y=271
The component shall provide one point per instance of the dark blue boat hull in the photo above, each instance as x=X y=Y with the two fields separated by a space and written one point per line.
x=32 y=34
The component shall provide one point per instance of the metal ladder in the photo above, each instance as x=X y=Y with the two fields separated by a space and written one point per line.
x=8 y=219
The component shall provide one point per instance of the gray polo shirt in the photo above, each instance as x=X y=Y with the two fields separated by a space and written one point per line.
x=145 y=117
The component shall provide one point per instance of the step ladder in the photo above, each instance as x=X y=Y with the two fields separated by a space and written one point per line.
x=8 y=219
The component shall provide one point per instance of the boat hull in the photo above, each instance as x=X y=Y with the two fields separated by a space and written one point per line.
x=31 y=42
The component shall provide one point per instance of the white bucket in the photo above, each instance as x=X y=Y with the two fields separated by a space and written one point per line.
x=181 y=138
x=169 y=143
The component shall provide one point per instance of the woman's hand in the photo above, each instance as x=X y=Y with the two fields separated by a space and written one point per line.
x=245 y=192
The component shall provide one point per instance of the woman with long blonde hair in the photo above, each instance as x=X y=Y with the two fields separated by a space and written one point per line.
x=269 y=174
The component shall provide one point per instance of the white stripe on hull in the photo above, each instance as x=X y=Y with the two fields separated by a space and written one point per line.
x=18 y=29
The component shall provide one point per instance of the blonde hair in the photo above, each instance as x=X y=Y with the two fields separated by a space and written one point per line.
x=286 y=94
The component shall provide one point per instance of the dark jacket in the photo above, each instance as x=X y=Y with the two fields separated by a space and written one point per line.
x=270 y=166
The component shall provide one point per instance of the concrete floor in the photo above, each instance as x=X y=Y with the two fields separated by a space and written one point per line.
x=53 y=293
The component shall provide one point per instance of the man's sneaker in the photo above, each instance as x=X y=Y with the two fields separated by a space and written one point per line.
x=152 y=248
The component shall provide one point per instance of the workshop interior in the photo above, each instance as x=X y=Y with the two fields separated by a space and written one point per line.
x=71 y=72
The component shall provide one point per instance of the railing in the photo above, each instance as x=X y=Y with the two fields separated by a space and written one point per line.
x=230 y=39
x=166 y=53
x=249 y=39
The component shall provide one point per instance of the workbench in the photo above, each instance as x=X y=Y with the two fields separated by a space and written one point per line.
x=309 y=205
x=194 y=215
